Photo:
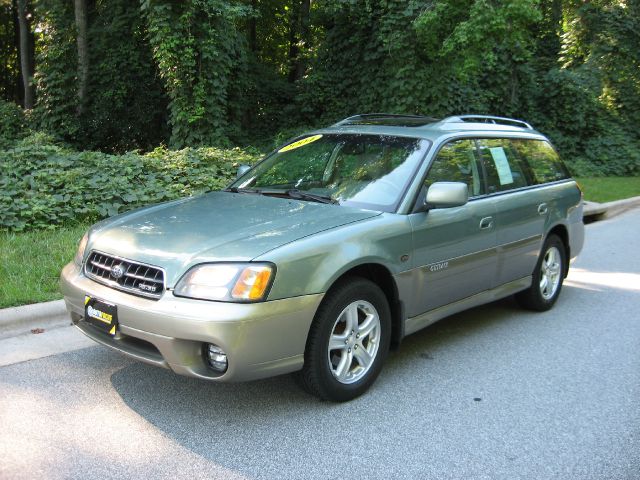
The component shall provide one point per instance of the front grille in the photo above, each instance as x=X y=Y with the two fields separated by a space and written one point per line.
x=123 y=274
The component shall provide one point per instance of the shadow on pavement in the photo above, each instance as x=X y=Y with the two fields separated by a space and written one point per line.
x=272 y=428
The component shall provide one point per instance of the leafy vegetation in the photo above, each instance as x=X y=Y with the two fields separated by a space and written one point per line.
x=12 y=123
x=201 y=60
x=119 y=78
x=203 y=76
x=44 y=185
x=235 y=72
x=30 y=263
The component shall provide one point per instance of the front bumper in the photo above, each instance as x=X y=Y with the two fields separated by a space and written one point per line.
x=260 y=339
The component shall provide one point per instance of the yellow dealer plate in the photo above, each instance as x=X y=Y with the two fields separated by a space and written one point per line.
x=101 y=315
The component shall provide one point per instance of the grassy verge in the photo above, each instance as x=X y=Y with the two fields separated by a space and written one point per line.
x=608 y=189
x=30 y=263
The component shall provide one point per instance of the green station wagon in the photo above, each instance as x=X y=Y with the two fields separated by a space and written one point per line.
x=330 y=250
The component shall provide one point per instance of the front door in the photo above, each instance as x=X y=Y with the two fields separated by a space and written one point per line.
x=454 y=248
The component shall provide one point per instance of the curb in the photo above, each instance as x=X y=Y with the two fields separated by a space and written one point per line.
x=600 y=211
x=19 y=320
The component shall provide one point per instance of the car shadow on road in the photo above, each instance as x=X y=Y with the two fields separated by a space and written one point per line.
x=277 y=419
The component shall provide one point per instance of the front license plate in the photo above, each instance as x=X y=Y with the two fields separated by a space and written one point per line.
x=101 y=314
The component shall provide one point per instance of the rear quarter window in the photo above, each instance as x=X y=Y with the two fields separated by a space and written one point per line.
x=543 y=160
x=503 y=165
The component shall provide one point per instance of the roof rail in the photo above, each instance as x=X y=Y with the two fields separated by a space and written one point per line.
x=386 y=118
x=487 y=119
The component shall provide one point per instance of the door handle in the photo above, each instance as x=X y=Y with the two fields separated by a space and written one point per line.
x=486 y=222
x=542 y=209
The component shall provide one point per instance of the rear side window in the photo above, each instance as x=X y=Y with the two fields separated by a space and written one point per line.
x=543 y=160
x=503 y=166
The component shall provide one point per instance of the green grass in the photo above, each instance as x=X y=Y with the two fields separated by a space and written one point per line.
x=30 y=264
x=608 y=189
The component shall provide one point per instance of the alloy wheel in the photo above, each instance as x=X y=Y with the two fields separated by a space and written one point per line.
x=354 y=342
x=550 y=271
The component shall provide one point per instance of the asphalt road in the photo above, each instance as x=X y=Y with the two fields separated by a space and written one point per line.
x=494 y=393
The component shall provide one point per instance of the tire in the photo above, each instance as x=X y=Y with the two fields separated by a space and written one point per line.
x=355 y=318
x=548 y=276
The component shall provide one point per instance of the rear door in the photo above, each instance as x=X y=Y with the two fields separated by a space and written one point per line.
x=454 y=248
x=521 y=211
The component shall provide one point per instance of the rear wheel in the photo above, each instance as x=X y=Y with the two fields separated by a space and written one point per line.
x=547 y=277
x=348 y=341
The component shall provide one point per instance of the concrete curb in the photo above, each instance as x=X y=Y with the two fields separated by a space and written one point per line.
x=600 y=211
x=18 y=320
x=592 y=209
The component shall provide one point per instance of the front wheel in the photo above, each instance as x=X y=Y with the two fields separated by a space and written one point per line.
x=348 y=341
x=547 y=277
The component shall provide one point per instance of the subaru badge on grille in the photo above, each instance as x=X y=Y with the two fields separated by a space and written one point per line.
x=117 y=271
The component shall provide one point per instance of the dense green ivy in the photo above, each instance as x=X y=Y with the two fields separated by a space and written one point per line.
x=126 y=105
x=9 y=62
x=55 y=76
x=13 y=124
x=576 y=81
x=227 y=72
x=200 y=56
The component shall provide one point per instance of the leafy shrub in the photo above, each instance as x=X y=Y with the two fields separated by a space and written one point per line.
x=43 y=185
x=591 y=140
x=12 y=123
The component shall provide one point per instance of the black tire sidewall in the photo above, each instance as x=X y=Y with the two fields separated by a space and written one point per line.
x=538 y=300
x=338 y=298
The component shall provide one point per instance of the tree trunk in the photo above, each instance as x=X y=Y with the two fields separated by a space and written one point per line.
x=298 y=38
x=25 y=53
x=253 y=28
x=301 y=64
x=18 y=88
x=294 y=51
x=556 y=13
x=83 y=52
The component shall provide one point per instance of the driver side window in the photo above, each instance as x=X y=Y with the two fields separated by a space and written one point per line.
x=457 y=161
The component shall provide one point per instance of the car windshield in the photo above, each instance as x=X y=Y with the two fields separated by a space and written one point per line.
x=365 y=171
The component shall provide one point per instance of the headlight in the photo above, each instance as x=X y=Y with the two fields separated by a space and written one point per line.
x=227 y=282
x=81 y=248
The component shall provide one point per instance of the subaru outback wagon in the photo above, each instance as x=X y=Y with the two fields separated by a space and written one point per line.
x=331 y=250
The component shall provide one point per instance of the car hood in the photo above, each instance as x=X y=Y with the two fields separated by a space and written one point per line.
x=218 y=226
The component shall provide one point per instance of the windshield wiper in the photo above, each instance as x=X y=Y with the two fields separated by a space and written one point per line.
x=302 y=195
x=291 y=193
x=243 y=190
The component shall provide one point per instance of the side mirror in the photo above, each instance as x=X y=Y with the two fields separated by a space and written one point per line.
x=242 y=169
x=447 y=194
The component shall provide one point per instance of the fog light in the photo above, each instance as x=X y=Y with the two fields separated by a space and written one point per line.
x=216 y=358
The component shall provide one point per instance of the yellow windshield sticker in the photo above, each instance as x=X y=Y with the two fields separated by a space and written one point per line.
x=300 y=143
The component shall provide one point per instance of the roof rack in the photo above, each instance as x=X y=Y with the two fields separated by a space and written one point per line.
x=487 y=119
x=390 y=119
